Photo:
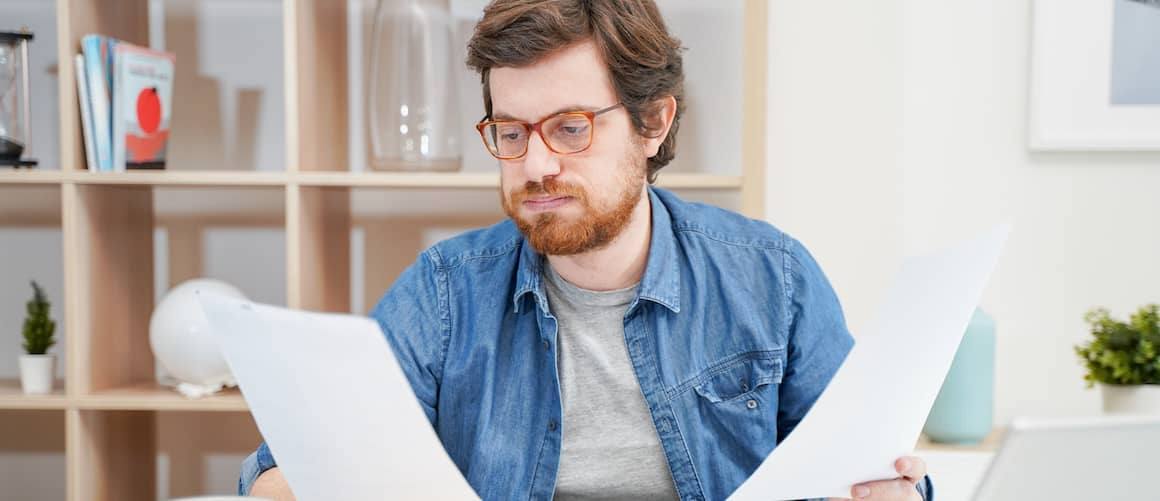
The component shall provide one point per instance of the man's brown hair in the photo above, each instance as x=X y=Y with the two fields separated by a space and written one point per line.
x=644 y=61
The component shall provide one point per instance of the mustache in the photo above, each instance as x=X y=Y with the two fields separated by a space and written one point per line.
x=550 y=187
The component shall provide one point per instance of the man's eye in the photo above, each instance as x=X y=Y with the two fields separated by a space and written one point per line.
x=574 y=130
x=511 y=135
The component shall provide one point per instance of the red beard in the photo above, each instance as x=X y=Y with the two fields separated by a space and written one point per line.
x=550 y=234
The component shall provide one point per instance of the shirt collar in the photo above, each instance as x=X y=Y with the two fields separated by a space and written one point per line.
x=660 y=284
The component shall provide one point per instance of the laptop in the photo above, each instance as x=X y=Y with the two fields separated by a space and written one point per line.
x=1100 y=458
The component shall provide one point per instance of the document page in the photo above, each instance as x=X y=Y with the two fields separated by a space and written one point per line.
x=874 y=408
x=333 y=404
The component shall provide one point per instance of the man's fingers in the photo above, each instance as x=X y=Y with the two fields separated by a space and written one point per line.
x=910 y=467
x=885 y=490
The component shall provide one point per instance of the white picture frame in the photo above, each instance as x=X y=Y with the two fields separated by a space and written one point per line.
x=1070 y=89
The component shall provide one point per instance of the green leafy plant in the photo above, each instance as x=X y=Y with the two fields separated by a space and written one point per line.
x=38 y=328
x=1122 y=352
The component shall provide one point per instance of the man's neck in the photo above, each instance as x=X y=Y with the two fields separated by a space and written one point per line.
x=618 y=265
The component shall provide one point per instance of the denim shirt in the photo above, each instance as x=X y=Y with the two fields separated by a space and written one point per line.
x=733 y=334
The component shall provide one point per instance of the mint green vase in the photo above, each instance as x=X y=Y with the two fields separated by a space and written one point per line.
x=962 y=411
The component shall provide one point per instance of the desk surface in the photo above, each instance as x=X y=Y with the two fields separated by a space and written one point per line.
x=955 y=474
x=956 y=470
x=989 y=444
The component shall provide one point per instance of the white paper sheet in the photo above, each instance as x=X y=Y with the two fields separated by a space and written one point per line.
x=333 y=405
x=873 y=410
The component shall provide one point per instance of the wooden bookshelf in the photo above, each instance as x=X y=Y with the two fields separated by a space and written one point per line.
x=107 y=221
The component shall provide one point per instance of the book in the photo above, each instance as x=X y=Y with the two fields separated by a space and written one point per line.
x=142 y=97
x=98 y=65
x=86 y=112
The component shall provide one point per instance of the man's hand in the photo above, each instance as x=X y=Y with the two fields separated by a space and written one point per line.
x=911 y=468
x=272 y=485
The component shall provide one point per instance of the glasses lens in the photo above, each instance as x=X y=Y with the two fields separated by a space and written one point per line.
x=568 y=133
x=506 y=139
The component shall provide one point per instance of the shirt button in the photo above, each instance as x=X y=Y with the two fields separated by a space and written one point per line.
x=752 y=404
x=547 y=345
x=552 y=425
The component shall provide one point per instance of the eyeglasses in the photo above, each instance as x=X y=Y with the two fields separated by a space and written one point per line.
x=564 y=133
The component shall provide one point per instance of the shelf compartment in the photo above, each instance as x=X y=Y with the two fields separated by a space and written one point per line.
x=112 y=455
x=126 y=270
x=199 y=453
x=30 y=250
x=32 y=454
x=29 y=206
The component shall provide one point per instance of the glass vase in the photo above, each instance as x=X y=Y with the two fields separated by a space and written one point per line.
x=962 y=412
x=413 y=97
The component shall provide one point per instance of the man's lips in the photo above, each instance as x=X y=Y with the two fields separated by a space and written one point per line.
x=546 y=203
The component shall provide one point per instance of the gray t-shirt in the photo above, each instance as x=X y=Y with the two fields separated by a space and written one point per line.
x=610 y=447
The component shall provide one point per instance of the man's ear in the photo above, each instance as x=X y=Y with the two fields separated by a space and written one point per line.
x=658 y=119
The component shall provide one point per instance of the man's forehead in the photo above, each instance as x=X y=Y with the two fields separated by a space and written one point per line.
x=573 y=78
x=499 y=114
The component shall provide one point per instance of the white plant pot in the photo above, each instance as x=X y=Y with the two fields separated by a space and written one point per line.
x=1131 y=399
x=36 y=373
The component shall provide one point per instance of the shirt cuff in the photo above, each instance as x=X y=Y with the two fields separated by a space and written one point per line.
x=926 y=489
x=253 y=466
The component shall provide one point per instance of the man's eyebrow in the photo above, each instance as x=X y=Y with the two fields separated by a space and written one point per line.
x=499 y=115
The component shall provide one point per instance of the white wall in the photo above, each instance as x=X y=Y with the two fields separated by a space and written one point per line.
x=901 y=125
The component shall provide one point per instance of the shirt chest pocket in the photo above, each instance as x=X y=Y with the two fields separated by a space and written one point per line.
x=740 y=377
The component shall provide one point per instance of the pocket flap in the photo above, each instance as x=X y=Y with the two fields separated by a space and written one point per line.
x=738 y=377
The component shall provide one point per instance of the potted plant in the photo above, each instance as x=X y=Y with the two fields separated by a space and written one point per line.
x=37 y=366
x=1123 y=358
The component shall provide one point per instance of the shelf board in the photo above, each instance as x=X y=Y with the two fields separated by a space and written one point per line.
x=12 y=397
x=153 y=397
x=402 y=180
x=181 y=178
x=460 y=180
x=30 y=176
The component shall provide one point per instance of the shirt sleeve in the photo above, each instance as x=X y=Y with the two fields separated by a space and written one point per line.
x=253 y=466
x=415 y=319
x=818 y=337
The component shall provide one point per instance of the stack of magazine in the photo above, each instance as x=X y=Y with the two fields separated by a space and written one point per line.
x=125 y=93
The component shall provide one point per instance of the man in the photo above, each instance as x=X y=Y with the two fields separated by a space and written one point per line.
x=609 y=340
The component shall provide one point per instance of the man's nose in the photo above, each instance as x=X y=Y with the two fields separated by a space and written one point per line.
x=540 y=162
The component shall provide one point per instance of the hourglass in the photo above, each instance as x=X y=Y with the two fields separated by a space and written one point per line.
x=14 y=104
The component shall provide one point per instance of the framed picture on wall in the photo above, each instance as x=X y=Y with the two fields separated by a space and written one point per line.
x=1095 y=75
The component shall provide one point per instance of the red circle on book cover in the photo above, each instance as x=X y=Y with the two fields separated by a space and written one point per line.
x=148 y=110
